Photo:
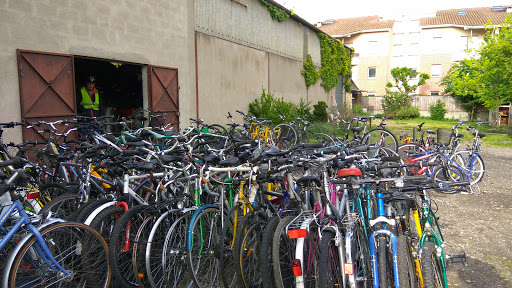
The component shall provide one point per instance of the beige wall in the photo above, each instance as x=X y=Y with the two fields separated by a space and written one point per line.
x=230 y=76
x=158 y=32
x=374 y=51
x=432 y=84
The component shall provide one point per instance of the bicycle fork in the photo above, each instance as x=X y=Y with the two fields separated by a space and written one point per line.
x=373 y=255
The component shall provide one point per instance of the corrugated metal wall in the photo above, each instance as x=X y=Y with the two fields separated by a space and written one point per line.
x=253 y=26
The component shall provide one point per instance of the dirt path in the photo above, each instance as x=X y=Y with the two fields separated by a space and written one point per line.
x=481 y=225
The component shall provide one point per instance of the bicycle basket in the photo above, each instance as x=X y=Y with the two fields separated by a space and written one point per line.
x=444 y=136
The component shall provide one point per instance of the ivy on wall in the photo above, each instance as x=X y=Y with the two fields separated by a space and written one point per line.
x=276 y=13
x=336 y=60
x=309 y=72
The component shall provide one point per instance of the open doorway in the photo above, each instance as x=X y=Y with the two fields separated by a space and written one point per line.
x=120 y=85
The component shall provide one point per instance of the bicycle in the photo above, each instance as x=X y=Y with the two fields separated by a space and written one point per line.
x=52 y=254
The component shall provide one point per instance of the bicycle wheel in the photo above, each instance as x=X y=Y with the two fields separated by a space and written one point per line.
x=448 y=173
x=411 y=147
x=283 y=252
x=361 y=261
x=471 y=165
x=79 y=249
x=266 y=265
x=203 y=254
x=139 y=251
x=332 y=272
x=431 y=267
x=121 y=244
x=285 y=136
x=174 y=261
x=406 y=269
x=63 y=206
x=380 y=138
x=246 y=255
x=227 y=263
x=106 y=220
x=154 y=248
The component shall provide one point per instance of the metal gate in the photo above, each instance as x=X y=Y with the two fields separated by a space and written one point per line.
x=164 y=92
x=47 y=89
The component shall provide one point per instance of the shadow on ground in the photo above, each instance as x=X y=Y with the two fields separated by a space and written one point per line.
x=475 y=273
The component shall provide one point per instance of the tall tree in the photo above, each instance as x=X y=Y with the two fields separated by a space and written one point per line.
x=495 y=62
x=402 y=76
x=462 y=83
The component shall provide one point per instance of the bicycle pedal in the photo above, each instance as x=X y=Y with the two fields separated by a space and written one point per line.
x=459 y=257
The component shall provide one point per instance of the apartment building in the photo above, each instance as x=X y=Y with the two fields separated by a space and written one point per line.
x=427 y=44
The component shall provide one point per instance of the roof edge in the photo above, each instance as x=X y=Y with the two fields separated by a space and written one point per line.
x=362 y=31
x=299 y=19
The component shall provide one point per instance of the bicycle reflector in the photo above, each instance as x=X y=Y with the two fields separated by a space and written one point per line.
x=296 y=267
x=299 y=233
x=34 y=195
x=349 y=269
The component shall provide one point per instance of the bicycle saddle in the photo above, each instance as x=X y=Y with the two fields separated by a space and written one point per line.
x=351 y=171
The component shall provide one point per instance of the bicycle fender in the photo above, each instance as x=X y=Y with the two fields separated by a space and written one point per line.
x=191 y=224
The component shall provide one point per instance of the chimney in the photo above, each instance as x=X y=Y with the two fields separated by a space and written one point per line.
x=319 y=24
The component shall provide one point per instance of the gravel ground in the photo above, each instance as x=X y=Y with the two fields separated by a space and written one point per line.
x=479 y=224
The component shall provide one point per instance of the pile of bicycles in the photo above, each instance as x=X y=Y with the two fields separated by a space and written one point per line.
x=246 y=206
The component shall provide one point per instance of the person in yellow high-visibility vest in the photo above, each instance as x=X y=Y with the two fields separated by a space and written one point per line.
x=90 y=104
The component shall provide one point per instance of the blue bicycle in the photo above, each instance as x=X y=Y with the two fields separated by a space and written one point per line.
x=56 y=253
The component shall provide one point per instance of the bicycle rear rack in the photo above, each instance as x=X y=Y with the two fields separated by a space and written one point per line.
x=302 y=221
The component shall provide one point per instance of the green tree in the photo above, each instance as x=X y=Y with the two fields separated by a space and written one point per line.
x=495 y=66
x=402 y=77
x=462 y=82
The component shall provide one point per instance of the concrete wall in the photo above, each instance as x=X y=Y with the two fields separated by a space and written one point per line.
x=158 y=32
x=427 y=61
x=230 y=76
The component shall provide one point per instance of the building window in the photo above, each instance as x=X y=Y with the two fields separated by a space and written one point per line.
x=372 y=94
x=435 y=70
x=414 y=70
x=372 y=72
x=434 y=93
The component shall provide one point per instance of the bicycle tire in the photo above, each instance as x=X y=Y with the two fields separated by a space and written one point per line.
x=106 y=220
x=448 y=173
x=406 y=269
x=174 y=263
x=382 y=261
x=332 y=275
x=285 y=136
x=462 y=158
x=431 y=267
x=50 y=191
x=77 y=248
x=362 y=266
x=266 y=264
x=283 y=251
x=373 y=138
x=63 y=206
x=154 y=248
x=88 y=208
x=139 y=251
x=227 y=263
x=120 y=252
x=246 y=255
x=204 y=265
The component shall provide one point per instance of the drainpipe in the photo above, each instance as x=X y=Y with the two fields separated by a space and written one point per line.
x=197 y=77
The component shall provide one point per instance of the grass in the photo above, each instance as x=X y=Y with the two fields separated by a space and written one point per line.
x=495 y=136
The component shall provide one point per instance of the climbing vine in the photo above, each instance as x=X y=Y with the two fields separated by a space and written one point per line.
x=309 y=72
x=336 y=60
x=276 y=13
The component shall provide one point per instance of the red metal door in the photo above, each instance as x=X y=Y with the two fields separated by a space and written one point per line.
x=47 y=89
x=164 y=92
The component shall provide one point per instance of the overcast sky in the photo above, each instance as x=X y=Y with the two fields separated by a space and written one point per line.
x=319 y=10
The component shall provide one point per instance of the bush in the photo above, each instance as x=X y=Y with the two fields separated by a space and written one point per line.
x=437 y=110
x=357 y=109
x=269 y=106
x=407 y=113
x=320 y=112
x=393 y=102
